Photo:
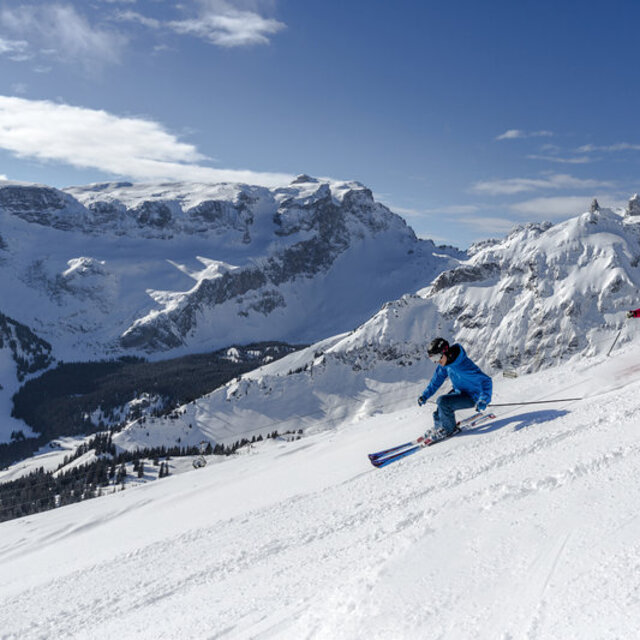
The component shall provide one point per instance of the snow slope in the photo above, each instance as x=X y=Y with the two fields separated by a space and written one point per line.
x=524 y=528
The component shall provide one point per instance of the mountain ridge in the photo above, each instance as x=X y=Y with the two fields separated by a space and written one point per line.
x=119 y=268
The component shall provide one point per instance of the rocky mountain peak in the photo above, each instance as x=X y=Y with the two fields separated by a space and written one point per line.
x=634 y=206
x=41 y=205
x=303 y=178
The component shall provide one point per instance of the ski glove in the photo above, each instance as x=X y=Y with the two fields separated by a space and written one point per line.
x=481 y=405
x=421 y=400
x=629 y=314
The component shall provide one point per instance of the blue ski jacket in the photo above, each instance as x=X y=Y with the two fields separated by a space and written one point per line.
x=465 y=375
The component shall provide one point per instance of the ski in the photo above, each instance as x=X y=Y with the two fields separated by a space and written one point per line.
x=383 y=462
x=422 y=442
x=386 y=452
x=467 y=422
x=387 y=456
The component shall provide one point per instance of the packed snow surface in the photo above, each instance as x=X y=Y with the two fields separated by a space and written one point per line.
x=527 y=527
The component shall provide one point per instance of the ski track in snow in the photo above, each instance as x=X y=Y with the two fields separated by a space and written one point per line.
x=525 y=528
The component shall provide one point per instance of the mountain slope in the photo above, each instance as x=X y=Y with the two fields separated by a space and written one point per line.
x=523 y=528
x=543 y=294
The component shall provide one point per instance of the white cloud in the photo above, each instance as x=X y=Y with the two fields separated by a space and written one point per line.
x=620 y=146
x=13 y=47
x=513 y=134
x=512 y=186
x=229 y=24
x=560 y=160
x=133 y=16
x=553 y=208
x=131 y=147
x=63 y=33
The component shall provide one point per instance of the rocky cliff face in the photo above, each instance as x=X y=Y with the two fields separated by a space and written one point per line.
x=42 y=205
x=319 y=228
x=120 y=267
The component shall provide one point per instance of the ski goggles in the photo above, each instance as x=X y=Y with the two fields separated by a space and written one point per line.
x=435 y=358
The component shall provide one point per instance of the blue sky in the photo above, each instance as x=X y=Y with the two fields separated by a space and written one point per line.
x=466 y=117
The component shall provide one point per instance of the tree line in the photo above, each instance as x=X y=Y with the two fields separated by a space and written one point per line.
x=42 y=490
x=66 y=399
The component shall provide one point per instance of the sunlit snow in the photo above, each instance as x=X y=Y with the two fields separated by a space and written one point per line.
x=523 y=528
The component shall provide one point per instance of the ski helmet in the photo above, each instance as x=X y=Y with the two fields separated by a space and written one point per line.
x=438 y=347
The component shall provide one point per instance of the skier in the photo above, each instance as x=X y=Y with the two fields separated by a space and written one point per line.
x=633 y=314
x=471 y=386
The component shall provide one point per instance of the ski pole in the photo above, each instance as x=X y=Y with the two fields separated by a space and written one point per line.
x=614 y=343
x=517 y=404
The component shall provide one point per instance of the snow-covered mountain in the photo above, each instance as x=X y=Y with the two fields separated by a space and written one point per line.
x=545 y=292
x=122 y=268
x=523 y=528
x=542 y=295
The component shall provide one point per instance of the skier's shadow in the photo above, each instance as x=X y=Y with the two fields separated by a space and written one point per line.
x=522 y=421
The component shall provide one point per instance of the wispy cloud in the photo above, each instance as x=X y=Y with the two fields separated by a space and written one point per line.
x=134 y=16
x=61 y=32
x=228 y=23
x=560 y=160
x=513 y=134
x=510 y=186
x=13 y=48
x=553 y=208
x=124 y=146
x=620 y=146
